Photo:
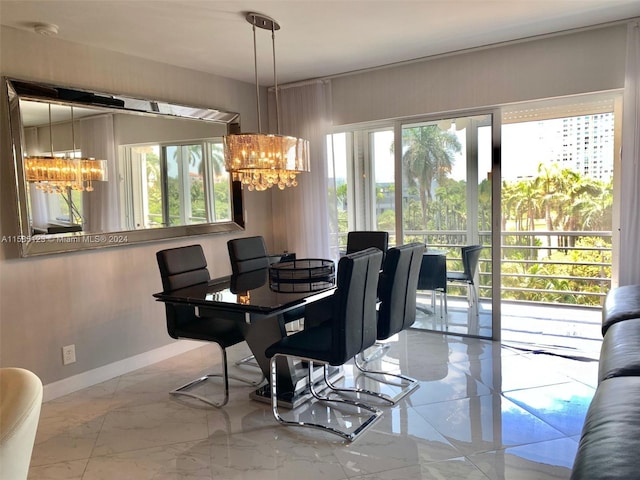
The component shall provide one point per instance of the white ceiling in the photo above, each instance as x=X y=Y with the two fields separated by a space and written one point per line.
x=317 y=38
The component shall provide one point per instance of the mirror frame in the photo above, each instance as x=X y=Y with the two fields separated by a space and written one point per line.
x=31 y=245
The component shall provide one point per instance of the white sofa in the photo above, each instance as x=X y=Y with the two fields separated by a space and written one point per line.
x=20 y=402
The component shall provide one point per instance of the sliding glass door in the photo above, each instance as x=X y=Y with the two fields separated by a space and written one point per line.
x=447 y=204
x=558 y=220
x=532 y=184
x=431 y=182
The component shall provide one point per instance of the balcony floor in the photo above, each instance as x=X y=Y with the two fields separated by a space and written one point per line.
x=548 y=328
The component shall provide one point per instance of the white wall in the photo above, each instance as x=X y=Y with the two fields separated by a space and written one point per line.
x=582 y=62
x=100 y=300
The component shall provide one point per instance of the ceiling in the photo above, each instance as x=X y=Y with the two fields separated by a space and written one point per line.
x=317 y=38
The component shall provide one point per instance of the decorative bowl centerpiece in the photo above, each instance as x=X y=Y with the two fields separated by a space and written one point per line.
x=302 y=275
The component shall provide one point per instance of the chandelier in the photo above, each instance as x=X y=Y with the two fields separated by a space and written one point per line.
x=261 y=161
x=57 y=174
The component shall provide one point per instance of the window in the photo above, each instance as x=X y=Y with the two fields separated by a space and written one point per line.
x=168 y=185
x=361 y=169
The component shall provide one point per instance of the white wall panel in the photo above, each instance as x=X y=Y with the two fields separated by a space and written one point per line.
x=569 y=64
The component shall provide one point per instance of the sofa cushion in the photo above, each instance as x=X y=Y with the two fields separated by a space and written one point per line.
x=610 y=441
x=620 y=351
x=621 y=303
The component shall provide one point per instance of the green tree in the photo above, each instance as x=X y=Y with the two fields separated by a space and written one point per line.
x=428 y=156
x=154 y=189
x=564 y=201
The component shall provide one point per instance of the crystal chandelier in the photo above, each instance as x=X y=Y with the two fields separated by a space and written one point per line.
x=57 y=174
x=261 y=161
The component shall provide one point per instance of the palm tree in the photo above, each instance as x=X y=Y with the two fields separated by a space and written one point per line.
x=549 y=183
x=525 y=205
x=428 y=157
x=217 y=161
x=451 y=197
x=594 y=209
x=484 y=202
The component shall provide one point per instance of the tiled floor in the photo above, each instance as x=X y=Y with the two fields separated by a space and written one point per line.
x=482 y=411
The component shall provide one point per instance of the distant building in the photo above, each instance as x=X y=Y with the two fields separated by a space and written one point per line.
x=582 y=143
x=587 y=145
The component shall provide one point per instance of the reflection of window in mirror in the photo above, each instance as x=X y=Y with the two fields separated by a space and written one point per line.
x=171 y=184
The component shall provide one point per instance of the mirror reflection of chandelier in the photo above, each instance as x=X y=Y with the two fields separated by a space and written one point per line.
x=54 y=174
x=261 y=161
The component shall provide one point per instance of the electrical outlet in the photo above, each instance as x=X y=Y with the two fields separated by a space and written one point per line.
x=68 y=354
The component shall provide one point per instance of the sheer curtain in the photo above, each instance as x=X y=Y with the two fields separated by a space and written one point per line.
x=300 y=214
x=629 y=272
x=39 y=214
x=332 y=202
x=100 y=207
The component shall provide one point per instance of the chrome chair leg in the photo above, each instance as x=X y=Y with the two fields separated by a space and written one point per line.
x=249 y=361
x=356 y=390
x=184 y=389
x=473 y=299
x=380 y=351
x=443 y=297
x=374 y=413
x=406 y=383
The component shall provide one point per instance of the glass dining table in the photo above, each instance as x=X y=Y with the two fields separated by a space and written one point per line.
x=260 y=307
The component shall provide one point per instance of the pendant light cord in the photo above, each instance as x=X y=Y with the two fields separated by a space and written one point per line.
x=275 y=77
x=255 y=68
x=73 y=135
x=50 y=131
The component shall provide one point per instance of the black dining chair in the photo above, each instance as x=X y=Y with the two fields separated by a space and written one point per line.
x=183 y=267
x=361 y=239
x=433 y=277
x=347 y=328
x=470 y=260
x=397 y=291
x=358 y=240
x=247 y=254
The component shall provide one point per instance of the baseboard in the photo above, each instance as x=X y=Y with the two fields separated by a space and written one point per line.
x=115 y=369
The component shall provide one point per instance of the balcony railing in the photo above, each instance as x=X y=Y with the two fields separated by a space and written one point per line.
x=565 y=268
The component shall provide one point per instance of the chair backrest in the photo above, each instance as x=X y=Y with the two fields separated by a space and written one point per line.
x=180 y=268
x=247 y=254
x=397 y=289
x=433 y=273
x=361 y=240
x=470 y=260
x=354 y=304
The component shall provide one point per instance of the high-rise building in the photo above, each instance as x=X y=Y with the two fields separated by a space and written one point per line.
x=587 y=145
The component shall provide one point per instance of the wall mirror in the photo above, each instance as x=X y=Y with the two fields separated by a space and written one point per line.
x=97 y=170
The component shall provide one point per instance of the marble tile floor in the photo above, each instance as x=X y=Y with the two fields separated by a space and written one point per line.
x=482 y=411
